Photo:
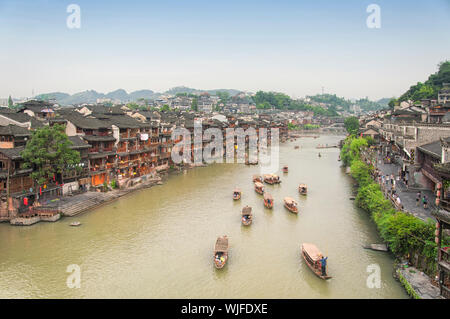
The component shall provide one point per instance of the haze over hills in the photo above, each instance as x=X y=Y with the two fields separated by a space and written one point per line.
x=121 y=96
x=91 y=96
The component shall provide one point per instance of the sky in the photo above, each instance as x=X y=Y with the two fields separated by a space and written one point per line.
x=291 y=46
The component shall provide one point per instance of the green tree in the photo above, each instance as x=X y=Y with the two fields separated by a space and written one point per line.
x=224 y=96
x=133 y=106
x=10 y=102
x=194 y=104
x=392 y=103
x=165 y=108
x=48 y=153
x=351 y=124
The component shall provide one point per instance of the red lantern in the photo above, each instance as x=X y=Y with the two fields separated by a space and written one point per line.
x=437 y=201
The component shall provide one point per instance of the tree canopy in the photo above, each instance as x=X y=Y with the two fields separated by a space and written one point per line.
x=351 y=124
x=48 y=153
x=280 y=101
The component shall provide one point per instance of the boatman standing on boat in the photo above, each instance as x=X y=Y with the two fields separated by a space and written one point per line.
x=323 y=262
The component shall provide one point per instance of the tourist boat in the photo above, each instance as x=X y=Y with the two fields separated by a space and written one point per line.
x=271 y=179
x=259 y=188
x=285 y=169
x=75 y=224
x=237 y=194
x=291 y=205
x=247 y=216
x=268 y=200
x=312 y=255
x=257 y=178
x=221 y=252
x=302 y=189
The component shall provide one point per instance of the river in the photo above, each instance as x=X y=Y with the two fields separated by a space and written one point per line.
x=158 y=242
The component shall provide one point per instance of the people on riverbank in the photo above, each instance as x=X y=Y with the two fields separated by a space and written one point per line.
x=425 y=202
x=418 y=196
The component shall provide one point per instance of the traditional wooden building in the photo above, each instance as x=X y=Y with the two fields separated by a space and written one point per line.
x=13 y=136
x=442 y=226
x=102 y=153
x=16 y=185
x=427 y=156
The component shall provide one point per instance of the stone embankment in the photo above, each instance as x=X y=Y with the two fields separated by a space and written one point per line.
x=76 y=204
x=417 y=284
x=71 y=206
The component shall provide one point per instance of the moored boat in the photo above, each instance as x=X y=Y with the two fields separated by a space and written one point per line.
x=221 y=252
x=271 y=179
x=268 y=200
x=257 y=178
x=303 y=189
x=291 y=205
x=237 y=194
x=259 y=188
x=312 y=256
x=247 y=216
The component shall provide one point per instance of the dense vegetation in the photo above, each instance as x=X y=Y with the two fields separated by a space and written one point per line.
x=428 y=89
x=336 y=102
x=351 y=124
x=281 y=101
x=48 y=153
x=404 y=233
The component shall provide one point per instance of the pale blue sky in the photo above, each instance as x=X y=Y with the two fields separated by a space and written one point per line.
x=294 y=47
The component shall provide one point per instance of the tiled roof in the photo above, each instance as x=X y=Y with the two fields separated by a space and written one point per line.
x=12 y=153
x=434 y=149
x=86 y=122
x=14 y=130
x=78 y=142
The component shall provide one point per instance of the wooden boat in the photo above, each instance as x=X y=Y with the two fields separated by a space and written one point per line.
x=259 y=188
x=237 y=194
x=291 y=205
x=221 y=252
x=247 y=216
x=268 y=200
x=75 y=224
x=257 y=178
x=303 y=189
x=312 y=255
x=271 y=179
x=285 y=169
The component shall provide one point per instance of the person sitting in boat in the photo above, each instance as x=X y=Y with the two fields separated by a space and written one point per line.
x=323 y=262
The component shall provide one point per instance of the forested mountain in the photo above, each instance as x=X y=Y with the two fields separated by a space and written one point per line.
x=428 y=89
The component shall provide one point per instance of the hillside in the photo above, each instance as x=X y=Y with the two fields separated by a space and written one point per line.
x=430 y=88
x=183 y=89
